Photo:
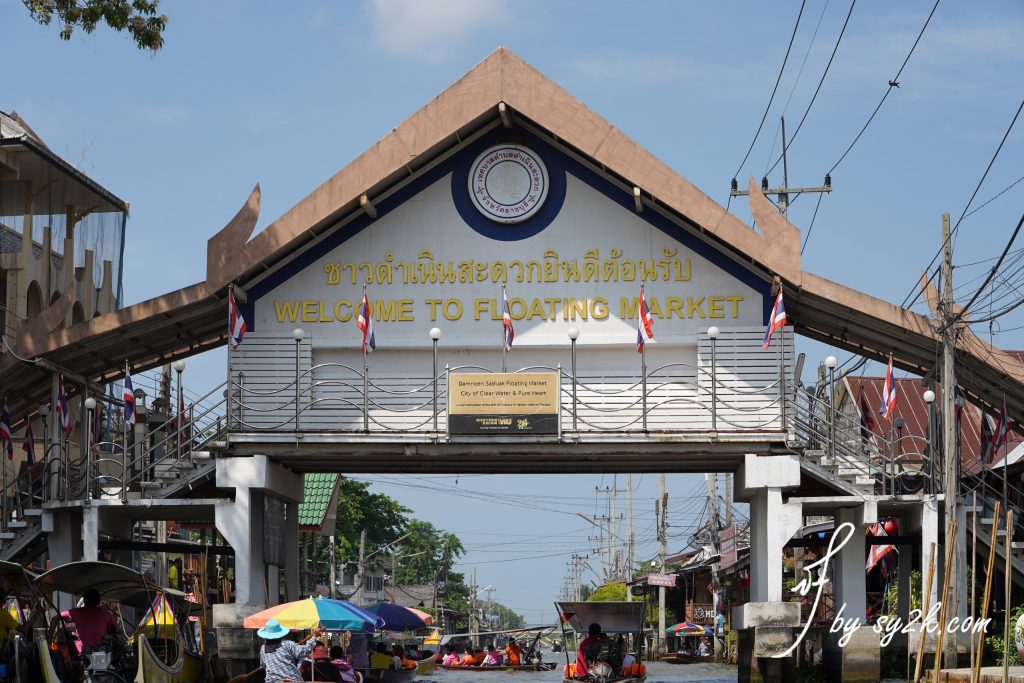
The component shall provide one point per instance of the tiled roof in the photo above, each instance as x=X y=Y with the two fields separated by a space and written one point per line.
x=319 y=489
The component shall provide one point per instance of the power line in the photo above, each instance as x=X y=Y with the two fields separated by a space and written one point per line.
x=996 y=196
x=992 y=274
x=774 y=90
x=963 y=214
x=785 y=145
x=892 y=84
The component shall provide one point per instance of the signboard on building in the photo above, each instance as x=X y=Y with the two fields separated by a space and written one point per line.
x=727 y=544
x=503 y=403
x=666 y=580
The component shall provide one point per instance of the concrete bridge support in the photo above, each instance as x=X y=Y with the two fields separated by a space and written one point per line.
x=766 y=625
x=852 y=654
x=262 y=489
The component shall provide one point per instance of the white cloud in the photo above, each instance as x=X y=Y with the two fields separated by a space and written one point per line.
x=434 y=29
x=319 y=19
x=623 y=70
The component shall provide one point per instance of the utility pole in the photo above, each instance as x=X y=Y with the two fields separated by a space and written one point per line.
x=472 y=608
x=712 y=480
x=360 y=569
x=728 y=498
x=783 y=193
x=951 y=470
x=662 y=510
x=629 y=535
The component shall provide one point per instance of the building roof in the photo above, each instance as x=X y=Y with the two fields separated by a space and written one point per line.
x=320 y=489
x=502 y=89
x=911 y=406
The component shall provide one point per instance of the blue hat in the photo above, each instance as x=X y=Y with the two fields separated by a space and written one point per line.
x=273 y=630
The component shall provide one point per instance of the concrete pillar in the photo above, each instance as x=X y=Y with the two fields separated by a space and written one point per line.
x=241 y=523
x=63 y=529
x=857 y=659
x=903 y=589
x=91 y=533
x=291 y=568
x=766 y=625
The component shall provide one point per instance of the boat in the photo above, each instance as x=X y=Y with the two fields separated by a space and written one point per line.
x=624 y=619
x=159 y=650
x=426 y=665
x=388 y=675
x=543 y=666
x=676 y=658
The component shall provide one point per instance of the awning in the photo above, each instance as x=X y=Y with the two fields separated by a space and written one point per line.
x=612 y=617
x=113 y=582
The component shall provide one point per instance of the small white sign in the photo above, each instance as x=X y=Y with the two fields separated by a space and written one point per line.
x=667 y=580
x=508 y=183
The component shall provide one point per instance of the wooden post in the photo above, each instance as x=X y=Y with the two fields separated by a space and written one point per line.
x=950 y=546
x=1008 y=588
x=976 y=672
x=924 y=611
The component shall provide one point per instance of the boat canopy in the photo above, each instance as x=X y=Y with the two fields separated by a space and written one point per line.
x=613 y=617
x=15 y=578
x=113 y=582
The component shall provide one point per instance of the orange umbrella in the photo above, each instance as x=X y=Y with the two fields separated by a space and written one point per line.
x=428 y=619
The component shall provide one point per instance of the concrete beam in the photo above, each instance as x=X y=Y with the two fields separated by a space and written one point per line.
x=260 y=474
x=761 y=472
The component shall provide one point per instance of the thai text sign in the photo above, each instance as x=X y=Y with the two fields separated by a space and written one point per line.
x=503 y=403
x=666 y=580
x=727 y=543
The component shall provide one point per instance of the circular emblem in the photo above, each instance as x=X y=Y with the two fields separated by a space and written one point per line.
x=508 y=183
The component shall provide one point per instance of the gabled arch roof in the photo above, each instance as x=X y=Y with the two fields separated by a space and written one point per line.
x=193 y=319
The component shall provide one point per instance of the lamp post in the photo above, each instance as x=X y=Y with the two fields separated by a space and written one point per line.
x=713 y=333
x=900 y=424
x=929 y=399
x=830 y=363
x=179 y=367
x=574 y=334
x=90 y=406
x=435 y=336
x=140 y=425
x=297 y=334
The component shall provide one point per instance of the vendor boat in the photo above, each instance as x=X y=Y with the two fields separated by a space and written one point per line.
x=615 y=618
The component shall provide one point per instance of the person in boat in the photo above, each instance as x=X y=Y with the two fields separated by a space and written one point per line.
x=513 y=653
x=319 y=667
x=478 y=657
x=359 y=651
x=281 y=657
x=399 y=652
x=588 y=651
x=380 y=659
x=467 y=658
x=451 y=658
x=493 y=657
x=342 y=664
x=92 y=622
x=703 y=650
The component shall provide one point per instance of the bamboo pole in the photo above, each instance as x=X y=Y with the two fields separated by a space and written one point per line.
x=1006 y=594
x=950 y=545
x=924 y=611
x=974 y=559
x=976 y=672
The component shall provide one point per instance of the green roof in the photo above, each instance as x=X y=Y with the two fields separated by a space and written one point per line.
x=319 y=493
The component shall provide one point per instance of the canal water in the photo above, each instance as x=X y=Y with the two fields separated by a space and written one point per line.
x=657 y=672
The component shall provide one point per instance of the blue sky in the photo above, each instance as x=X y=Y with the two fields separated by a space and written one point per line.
x=285 y=94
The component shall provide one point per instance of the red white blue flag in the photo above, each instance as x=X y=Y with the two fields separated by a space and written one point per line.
x=129 y=397
x=62 y=407
x=365 y=324
x=644 y=323
x=508 y=333
x=236 y=323
x=888 y=392
x=29 y=444
x=5 y=433
x=777 y=320
x=998 y=437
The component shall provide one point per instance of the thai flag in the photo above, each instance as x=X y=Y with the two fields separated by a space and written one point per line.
x=508 y=333
x=129 y=397
x=29 y=444
x=987 y=454
x=365 y=323
x=777 y=320
x=644 y=323
x=878 y=552
x=5 y=432
x=62 y=407
x=236 y=323
x=999 y=435
x=888 y=392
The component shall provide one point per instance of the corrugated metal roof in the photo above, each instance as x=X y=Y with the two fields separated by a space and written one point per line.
x=911 y=406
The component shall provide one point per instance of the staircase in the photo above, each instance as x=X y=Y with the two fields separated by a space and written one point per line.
x=162 y=470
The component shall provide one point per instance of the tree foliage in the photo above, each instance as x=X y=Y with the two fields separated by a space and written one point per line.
x=138 y=17
x=610 y=592
x=383 y=518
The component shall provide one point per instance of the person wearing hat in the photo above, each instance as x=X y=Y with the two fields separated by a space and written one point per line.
x=279 y=656
x=589 y=647
x=321 y=668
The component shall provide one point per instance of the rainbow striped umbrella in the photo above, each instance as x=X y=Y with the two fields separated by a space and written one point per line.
x=333 y=615
x=685 y=628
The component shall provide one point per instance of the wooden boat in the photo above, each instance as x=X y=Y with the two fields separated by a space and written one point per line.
x=426 y=665
x=388 y=675
x=544 y=666
x=615 y=618
x=152 y=669
x=675 y=658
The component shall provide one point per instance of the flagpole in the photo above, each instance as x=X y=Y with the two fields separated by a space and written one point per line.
x=366 y=368
x=124 y=449
x=504 y=332
x=643 y=359
x=231 y=294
